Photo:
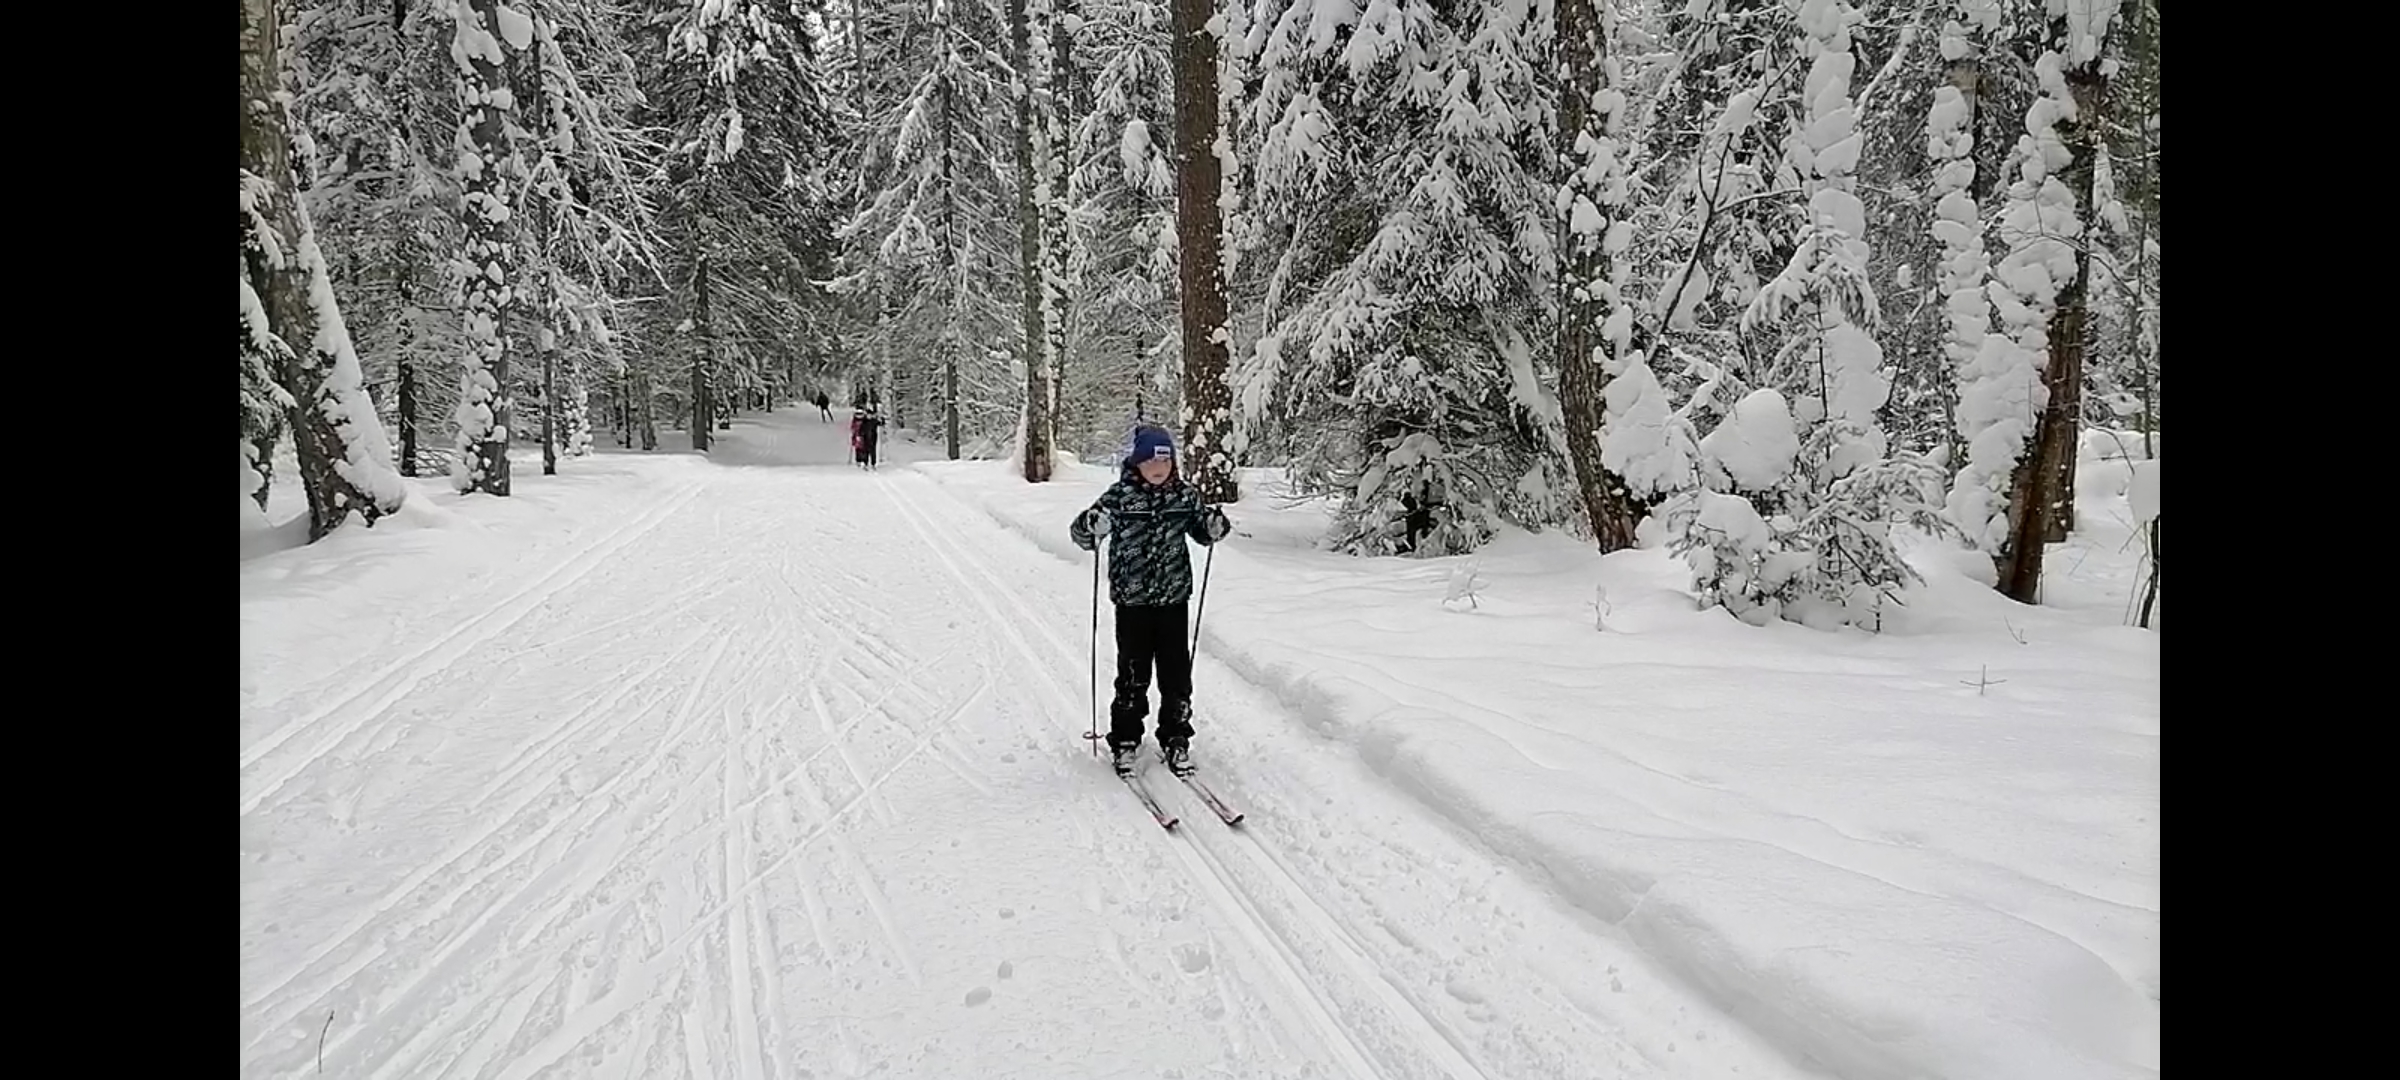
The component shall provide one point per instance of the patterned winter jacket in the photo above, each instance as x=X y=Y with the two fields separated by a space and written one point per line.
x=1148 y=564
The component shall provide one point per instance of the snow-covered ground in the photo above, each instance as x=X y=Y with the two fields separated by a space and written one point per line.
x=760 y=765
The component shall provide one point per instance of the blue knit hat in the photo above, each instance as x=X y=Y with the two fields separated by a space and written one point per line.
x=1150 y=442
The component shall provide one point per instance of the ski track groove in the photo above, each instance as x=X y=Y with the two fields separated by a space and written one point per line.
x=795 y=770
x=680 y=941
x=841 y=748
x=1440 y=1045
x=404 y=674
x=649 y=609
x=739 y=959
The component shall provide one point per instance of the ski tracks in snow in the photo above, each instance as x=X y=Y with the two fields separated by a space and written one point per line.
x=784 y=787
x=336 y=721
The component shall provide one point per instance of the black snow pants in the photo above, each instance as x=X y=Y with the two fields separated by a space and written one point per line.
x=1148 y=636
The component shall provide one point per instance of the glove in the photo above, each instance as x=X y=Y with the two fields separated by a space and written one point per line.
x=1095 y=522
x=1216 y=525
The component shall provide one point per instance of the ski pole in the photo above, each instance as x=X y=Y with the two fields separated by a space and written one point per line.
x=1206 y=565
x=1094 y=737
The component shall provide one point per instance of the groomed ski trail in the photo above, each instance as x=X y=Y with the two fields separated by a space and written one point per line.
x=780 y=775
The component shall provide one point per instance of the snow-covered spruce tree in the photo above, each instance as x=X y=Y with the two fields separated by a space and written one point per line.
x=592 y=221
x=931 y=209
x=2134 y=235
x=1403 y=154
x=2041 y=282
x=744 y=230
x=1595 y=328
x=1647 y=444
x=1125 y=315
x=1899 y=67
x=1821 y=550
x=264 y=401
x=1669 y=125
x=344 y=458
x=1722 y=223
x=373 y=90
x=490 y=170
x=1737 y=557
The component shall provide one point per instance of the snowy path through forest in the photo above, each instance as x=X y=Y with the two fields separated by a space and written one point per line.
x=773 y=769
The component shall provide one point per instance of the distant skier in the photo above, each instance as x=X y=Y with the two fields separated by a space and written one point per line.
x=1145 y=516
x=863 y=428
x=824 y=407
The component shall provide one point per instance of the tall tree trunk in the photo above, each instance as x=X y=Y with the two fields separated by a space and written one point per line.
x=1058 y=248
x=1585 y=282
x=547 y=342
x=285 y=270
x=1037 y=423
x=703 y=355
x=407 y=365
x=1199 y=234
x=485 y=408
x=645 y=405
x=2041 y=499
x=953 y=269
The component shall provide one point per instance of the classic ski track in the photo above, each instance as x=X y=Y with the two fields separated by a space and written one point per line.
x=819 y=752
x=517 y=897
x=1231 y=901
x=647 y=867
x=530 y=912
x=670 y=956
x=545 y=585
x=852 y=865
x=468 y=846
x=404 y=674
x=739 y=960
x=878 y=903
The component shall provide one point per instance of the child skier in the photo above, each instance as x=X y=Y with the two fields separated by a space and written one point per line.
x=1146 y=515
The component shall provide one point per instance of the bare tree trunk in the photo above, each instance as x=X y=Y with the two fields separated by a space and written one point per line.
x=1037 y=423
x=1199 y=233
x=646 y=406
x=2041 y=497
x=1058 y=249
x=702 y=355
x=283 y=283
x=1585 y=281
x=408 y=376
x=548 y=344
